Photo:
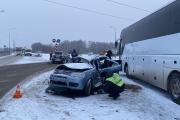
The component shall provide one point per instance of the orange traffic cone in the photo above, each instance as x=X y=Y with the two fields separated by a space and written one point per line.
x=18 y=93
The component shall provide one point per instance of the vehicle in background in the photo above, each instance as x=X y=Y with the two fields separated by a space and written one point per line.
x=59 y=57
x=81 y=76
x=149 y=49
x=19 y=53
x=28 y=54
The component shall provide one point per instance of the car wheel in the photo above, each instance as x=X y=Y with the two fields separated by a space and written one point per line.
x=87 y=88
x=174 y=87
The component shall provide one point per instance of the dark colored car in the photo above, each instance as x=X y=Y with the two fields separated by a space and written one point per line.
x=28 y=54
x=85 y=77
x=59 y=57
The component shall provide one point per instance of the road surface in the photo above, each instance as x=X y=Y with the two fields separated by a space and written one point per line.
x=9 y=59
x=11 y=75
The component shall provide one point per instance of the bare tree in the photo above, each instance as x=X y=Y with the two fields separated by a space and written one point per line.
x=80 y=46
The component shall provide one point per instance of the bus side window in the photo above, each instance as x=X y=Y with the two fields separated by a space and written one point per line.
x=175 y=16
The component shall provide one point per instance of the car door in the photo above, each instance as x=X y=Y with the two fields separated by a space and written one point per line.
x=112 y=67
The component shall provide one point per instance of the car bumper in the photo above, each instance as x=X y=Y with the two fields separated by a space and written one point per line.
x=57 y=60
x=68 y=83
x=58 y=88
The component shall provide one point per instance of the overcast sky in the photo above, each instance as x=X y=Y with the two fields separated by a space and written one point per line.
x=32 y=21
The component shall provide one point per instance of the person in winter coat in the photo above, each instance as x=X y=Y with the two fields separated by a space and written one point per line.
x=74 y=54
x=50 y=55
x=114 y=85
x=109 y=54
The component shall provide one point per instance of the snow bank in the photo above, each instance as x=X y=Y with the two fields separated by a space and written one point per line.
x=146 y=104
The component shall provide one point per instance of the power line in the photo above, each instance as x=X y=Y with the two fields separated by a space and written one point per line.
x=123 y=4
x=90 y=11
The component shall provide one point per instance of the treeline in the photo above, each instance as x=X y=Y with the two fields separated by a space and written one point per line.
x=80 y=45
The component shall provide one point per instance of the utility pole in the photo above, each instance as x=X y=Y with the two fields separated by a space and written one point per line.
x=14 y=45
x=10 y=39
x=9 y=42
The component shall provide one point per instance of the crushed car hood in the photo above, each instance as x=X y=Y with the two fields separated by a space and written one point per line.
x=80 y=66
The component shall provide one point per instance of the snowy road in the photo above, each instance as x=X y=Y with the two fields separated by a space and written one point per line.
x=9 y=60
x=146 y=104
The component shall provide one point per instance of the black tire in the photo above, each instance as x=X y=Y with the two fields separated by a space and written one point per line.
x=87 y=88
x=126 y=70
x=174 y=87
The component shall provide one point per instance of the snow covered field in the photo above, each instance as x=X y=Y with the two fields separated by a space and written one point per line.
x=32 y=59
x=146 y=104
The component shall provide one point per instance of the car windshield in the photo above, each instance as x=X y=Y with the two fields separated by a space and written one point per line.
x=58 y=53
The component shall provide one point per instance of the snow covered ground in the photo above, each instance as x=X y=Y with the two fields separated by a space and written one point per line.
x=32 y=59
x=146 y=104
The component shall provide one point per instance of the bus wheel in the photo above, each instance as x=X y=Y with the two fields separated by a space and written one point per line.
x=174 y=87
x=126 y=70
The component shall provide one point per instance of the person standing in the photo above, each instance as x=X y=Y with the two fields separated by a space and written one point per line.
x=74 y=54
x=50 y=55
x=109 y=54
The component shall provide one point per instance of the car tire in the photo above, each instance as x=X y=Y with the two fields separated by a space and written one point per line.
x=88 y=88
x=174 y=87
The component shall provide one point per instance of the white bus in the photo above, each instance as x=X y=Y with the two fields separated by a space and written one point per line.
x=150 y=49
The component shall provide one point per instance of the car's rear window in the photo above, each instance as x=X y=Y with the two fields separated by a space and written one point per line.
x=58 y=52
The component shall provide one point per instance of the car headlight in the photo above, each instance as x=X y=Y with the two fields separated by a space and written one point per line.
x=77 y=74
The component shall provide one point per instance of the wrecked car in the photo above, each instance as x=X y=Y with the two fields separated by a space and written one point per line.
x=85 y=77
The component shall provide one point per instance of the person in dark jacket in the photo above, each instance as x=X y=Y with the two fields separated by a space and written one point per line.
x=74 y=54
x=113 y=85
x=109 y=54
x=50 y=55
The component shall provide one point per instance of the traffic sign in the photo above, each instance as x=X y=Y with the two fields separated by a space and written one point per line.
x=53 y=40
